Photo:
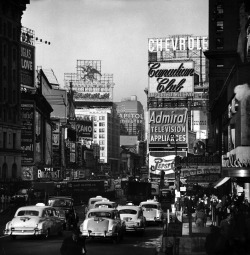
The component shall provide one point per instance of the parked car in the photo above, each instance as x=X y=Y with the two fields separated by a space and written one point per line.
x=103 y=223
x=152 y=211
x=105 y=204
x=133 y=217
x=35 y=220
x=64 y=206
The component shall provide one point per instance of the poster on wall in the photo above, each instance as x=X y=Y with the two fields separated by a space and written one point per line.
x=27 y=133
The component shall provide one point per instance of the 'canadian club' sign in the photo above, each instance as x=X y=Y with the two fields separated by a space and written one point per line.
x=171 y=77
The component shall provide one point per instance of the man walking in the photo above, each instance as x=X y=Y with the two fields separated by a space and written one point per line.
x=74 y=244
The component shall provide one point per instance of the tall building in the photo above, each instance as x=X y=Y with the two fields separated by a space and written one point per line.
x=131 y=115
x=229 y=80
x=178 y=109
x=93 y=99
x=11 y=12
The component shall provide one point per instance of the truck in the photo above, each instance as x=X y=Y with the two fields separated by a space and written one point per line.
x=136 y=191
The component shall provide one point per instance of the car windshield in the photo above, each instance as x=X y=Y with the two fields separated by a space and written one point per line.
x=28 y=213
x=127 y=211
x=100 y=214
x=150 y=206
x=60 y=203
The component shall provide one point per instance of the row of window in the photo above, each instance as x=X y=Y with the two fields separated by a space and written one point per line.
x=9 y=115
x=7 y=30
x=9 y=141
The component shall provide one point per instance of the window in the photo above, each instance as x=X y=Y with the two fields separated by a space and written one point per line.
x=14 y=140
x=219 y=26
x=102 y=124
x=101 y=130
x=219 y=43
x=4 y=139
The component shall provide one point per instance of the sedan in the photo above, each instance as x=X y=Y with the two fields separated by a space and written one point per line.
x=36 y=220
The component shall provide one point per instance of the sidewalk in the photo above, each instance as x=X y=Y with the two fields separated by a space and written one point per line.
x=188 y=245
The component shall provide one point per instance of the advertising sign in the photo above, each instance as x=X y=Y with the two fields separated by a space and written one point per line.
x=167 y=77
x=27 y=65
x=27 y=133
x=164 y=163
x=84 y=128
x=163 y=122
x=27 y=173
x=131 y=118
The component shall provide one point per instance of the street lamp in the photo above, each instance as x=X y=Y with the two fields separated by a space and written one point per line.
x=177 y=169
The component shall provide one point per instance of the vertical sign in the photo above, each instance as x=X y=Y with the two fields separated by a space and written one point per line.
x=27 y=133
x=27 y=65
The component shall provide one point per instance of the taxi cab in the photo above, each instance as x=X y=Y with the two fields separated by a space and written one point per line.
x=152 y=211
x=103 y=223
x=133 y=217
x=36 y=220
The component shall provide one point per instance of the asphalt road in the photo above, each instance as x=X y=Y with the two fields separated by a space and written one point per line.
x=131 y=244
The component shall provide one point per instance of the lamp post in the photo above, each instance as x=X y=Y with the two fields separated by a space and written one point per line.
x=177 y=169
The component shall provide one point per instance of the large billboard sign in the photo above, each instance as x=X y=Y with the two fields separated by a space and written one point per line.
x=164 y=122
x=84 y=128
x=170 y=77
x=164 y=163
x=27 y=65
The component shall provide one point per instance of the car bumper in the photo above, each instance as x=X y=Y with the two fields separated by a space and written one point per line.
x=99 y=234
x=24 y=232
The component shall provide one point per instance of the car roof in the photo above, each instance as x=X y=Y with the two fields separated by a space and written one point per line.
x=102 y=209
x=60 y=197
x=133 y=207
x=104 y=202
x=150 y=202
x=33 y=207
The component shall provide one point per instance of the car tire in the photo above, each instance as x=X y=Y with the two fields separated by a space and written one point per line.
x=47 y=234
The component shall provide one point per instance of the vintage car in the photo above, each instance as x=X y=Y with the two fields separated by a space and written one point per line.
x=133 y=217
x=93 y=200
x=152 y=211
x=103 y=223
x=35 y=220
x=64 y=206
x=105 y=204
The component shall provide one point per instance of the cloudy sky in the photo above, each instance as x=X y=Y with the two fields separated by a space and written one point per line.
x=113 y=31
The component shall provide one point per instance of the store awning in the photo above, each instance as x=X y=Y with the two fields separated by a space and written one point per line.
x=221 y=182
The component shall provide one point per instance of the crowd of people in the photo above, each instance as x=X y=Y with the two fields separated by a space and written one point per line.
x=230 y=222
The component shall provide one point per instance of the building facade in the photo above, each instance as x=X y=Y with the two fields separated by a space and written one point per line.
x=10 y=96
x=228 y=54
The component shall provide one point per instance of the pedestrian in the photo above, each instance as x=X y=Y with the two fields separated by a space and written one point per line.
x=74 y=244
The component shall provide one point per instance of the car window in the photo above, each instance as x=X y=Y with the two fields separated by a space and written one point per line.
x=150 y=206
x=127 y=211
x=60 y=203
x=100 y=214
x=28 y=213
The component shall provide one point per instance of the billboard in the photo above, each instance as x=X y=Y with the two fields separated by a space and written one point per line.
x=27 y=133
x=129 y=118
x=171 y=77
x=163 y=163
x=27 y=70
x=164 y=122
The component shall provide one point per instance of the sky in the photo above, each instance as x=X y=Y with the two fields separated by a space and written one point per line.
x=113 y=31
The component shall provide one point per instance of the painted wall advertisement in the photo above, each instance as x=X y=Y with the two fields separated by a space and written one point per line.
x=163 y=122
x=170 y=77
x=27 y=133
